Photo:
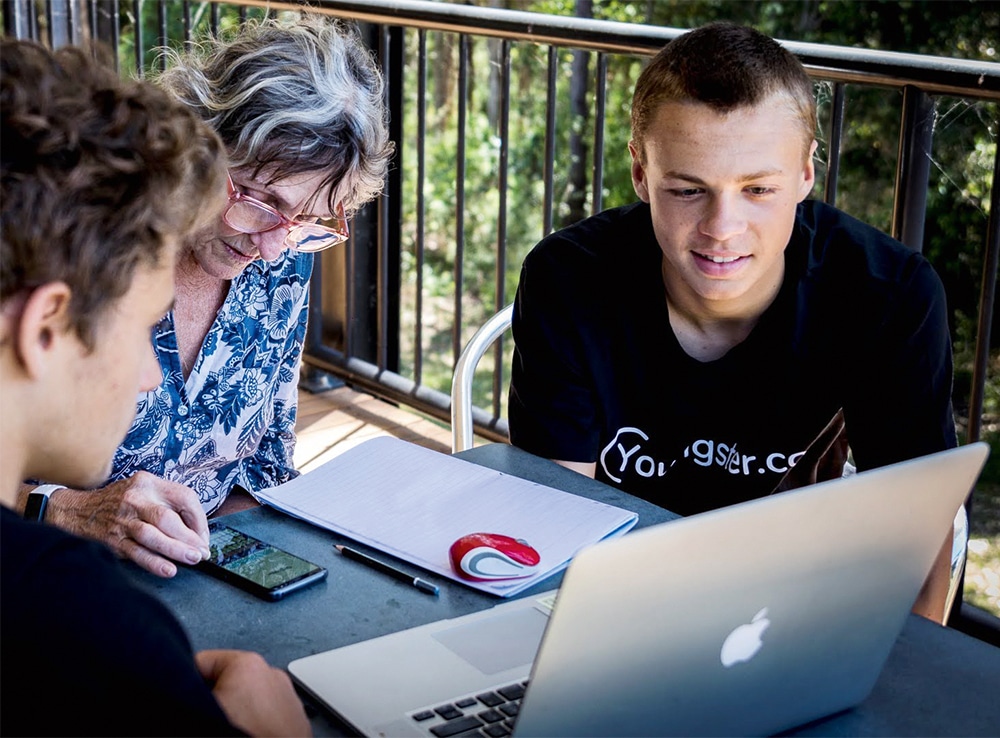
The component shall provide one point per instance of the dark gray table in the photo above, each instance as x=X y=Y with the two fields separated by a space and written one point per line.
x=937 y=681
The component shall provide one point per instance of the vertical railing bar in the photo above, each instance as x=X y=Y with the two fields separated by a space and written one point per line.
x=73 y=18
x=243 y=14
x=33 y=22
x=186 y=20
x=214 y=20
x=350 y=295
x=835 y=140
x=49 y=13
x=92 y=17
x=57 y=36
x=163 y=40
x=600 y=103
x=550 y=141
x=500 y=298
x=56 y=12
x=138 y=39
x=418 y=322
x=391 y=244
x=105 y=26
x=381 y=310
x=314 y=324
x=909 y=205
x=464 y=51
x=116 y=26
x=987 y=300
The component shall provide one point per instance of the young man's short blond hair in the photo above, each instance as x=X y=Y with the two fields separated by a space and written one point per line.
x=727 y=67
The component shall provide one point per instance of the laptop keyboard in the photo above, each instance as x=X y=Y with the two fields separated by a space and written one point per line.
x=489 y=713
x=486 y=714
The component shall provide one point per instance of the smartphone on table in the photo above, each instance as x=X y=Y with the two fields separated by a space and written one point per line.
x=256 y=566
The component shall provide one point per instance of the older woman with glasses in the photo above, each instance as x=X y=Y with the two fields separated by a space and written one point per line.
x=300 y=109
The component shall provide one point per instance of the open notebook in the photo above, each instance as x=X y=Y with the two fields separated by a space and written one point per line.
x=747 y=620
x=413 y=503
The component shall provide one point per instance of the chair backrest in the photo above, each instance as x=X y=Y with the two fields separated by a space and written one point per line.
x=465 y=368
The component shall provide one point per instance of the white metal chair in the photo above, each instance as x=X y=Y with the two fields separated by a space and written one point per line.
x=462 y=429
x=959 y=551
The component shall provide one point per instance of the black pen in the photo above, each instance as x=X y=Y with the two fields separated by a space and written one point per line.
x=392 y=571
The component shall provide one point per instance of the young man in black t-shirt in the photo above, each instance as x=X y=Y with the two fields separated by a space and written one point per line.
x=691 y=348
x=101 y=179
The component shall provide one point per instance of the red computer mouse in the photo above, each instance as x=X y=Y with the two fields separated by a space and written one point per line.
x=486 y=556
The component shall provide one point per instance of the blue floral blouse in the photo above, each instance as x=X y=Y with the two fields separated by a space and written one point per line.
x=233 y=421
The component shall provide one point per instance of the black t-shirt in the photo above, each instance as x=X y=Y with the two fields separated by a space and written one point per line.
x=86 y=653
x=859 y=323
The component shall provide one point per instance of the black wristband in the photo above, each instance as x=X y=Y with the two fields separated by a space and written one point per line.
x=38 y=500
x=35 y=507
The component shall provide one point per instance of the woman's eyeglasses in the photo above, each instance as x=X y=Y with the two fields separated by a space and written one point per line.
x=249 y=215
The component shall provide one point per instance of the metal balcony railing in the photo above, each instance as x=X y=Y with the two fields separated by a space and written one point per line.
x=381 y=320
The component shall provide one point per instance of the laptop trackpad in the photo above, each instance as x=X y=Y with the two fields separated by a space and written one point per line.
x=499 y=643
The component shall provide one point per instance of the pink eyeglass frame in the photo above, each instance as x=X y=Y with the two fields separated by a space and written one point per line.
x=296 y=228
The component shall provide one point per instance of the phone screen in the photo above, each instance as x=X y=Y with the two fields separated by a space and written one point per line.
x=257 y=566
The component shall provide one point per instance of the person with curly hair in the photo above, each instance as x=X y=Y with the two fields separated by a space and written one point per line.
x=101 y=181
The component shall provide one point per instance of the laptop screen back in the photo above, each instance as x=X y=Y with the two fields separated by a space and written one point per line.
x=749 y=619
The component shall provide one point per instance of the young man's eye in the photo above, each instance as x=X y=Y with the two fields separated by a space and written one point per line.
x=686 y=192
x=760 y=190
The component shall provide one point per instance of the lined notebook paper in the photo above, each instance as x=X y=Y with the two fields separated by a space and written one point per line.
x=413 y=503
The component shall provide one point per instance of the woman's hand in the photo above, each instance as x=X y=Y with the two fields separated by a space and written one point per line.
x=144 y=518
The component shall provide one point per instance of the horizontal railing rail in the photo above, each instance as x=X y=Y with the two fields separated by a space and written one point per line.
x=937 y=75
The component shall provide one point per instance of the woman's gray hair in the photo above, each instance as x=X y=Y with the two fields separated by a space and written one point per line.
x=291 y=97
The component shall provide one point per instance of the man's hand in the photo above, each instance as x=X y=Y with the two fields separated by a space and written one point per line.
x=933 y=597
x=144 y=518
x=255 y=696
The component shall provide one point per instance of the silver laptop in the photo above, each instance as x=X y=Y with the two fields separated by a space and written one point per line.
x=750 y=619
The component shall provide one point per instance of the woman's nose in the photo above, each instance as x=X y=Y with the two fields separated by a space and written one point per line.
x=271 y=244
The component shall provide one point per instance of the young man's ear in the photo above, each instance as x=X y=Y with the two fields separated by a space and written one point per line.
x=638 y=173
x=43 y=321
x=808 y=173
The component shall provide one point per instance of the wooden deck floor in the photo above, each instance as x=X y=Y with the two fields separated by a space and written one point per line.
x=333 y=421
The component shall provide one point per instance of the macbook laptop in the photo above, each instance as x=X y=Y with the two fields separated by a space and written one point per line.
x=750 y=619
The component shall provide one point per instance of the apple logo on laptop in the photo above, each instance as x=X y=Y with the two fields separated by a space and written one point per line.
x=745 y=640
